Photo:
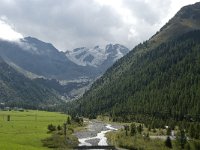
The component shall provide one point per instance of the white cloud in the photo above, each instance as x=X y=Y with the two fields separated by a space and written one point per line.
x=70 y=24
x=7 y=32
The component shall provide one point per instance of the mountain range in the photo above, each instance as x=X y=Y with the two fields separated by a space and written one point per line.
x=99 y=57
x=41 y=63
x=44 y=60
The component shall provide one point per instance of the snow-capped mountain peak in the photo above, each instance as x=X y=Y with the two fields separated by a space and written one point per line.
x=97 y=56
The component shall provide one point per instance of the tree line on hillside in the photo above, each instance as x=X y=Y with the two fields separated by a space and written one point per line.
x=157 y=87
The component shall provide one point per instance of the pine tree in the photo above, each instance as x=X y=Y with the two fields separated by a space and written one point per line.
x=182 y=139
x=169 y=131
x=126 y=127
x=51 y=128
x=192 y=131
x=59 y=128
x=197 y=131
x=68 y=120
x=140 y=129
x=133 y=129
x=168 y=142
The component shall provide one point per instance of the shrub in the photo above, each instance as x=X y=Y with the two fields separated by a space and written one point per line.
x=133 y=129
x=59 y=128
x=51 y=127
x=168 y=142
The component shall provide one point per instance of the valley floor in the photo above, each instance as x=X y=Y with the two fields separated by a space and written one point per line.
x=27 y=129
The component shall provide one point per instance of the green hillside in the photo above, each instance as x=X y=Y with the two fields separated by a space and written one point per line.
x=162 y=82
x=157 y=79
x=17 y=90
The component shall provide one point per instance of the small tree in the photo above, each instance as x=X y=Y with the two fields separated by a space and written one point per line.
x=126 y=127
x=182 y=138
x=133 y=129
x=59 y=128
x=51 y=127
x=192 y=131
x=79 y=120
x=149 y=128
x=65 y=129
x=8 y=118
x=146 y=136
x=140 y=129
x=168 y=142
x=68 y=120
x=197 y=133
x=169 y=131
x=154 y=130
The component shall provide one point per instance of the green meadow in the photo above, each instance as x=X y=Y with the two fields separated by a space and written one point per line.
x=25 y=130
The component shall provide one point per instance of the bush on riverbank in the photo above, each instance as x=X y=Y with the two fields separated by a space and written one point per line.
x=58 y=139
x=137 y=142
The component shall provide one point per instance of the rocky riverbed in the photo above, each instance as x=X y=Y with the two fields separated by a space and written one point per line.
x=95 y=133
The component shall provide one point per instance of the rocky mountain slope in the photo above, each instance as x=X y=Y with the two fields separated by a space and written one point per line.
x=97 y=56
x=187 y=19
x=42 y=59
x=39 y=60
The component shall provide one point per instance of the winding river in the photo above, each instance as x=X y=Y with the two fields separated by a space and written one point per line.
x=95 y=133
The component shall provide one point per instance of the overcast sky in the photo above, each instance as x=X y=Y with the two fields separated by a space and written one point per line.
x=70 y=24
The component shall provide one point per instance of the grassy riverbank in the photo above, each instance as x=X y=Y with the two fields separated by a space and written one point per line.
x=26 y=130
x=148 y=138
x=119 y=139
x=144 y=141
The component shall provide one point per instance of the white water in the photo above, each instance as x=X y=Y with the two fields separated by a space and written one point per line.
x=83 y=142
x=101 y=136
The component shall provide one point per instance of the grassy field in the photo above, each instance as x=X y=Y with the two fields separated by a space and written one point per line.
x=25 y=130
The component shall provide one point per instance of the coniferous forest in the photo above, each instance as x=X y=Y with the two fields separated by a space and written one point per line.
x=155 y=87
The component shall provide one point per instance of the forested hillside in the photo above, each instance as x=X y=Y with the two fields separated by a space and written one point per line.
x=158 y=79
x=163 y=82
x=17 y=90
